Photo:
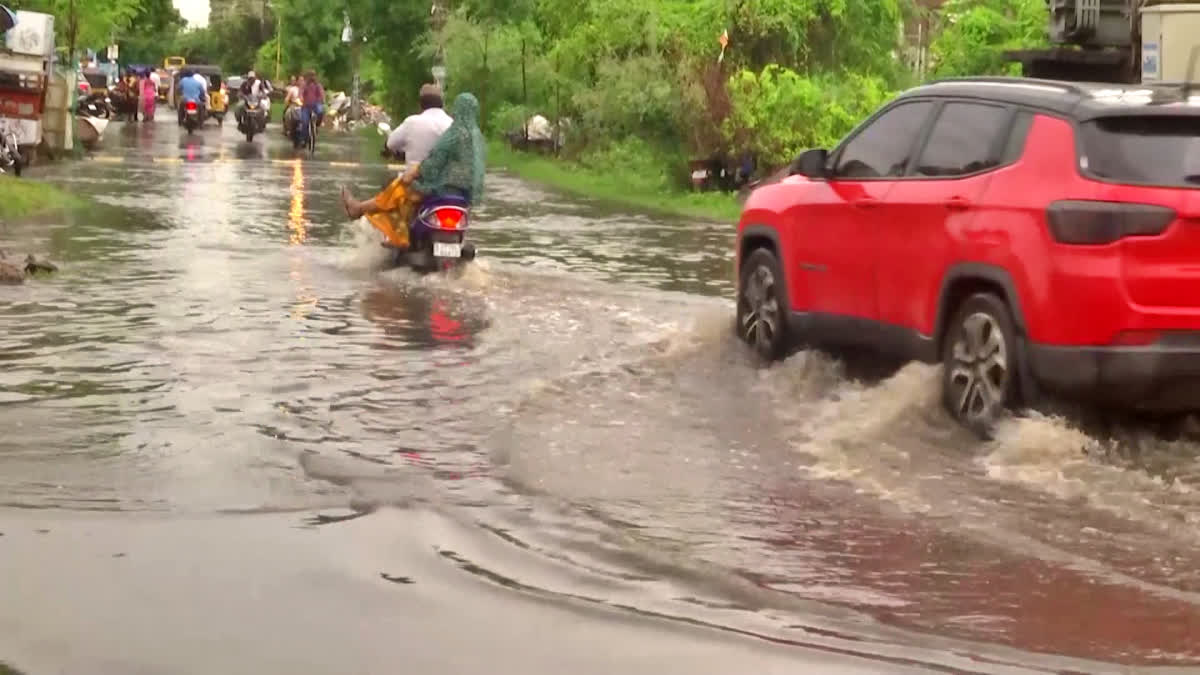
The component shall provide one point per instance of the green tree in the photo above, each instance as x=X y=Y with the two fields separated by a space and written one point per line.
x=974 y=34
x=153 y=30
x=84 y=22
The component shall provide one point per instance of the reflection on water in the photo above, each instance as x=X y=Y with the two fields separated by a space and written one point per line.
x=296 y=211
x=578 y=391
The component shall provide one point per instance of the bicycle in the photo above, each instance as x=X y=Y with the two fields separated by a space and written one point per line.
x=312 y=134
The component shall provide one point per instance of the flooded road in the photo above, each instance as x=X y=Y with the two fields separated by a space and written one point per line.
x=220 y=363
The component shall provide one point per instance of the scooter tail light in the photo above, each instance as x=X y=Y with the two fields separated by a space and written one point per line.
x=449 y=219
x=191 y=105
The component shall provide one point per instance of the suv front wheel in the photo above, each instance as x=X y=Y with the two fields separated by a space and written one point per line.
x=979 y=364
x=762 y=305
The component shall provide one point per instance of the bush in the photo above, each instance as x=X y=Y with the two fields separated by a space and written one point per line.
x=975 y=34
x=778 y=113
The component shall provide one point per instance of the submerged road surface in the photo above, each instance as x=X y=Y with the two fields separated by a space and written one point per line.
x=229 y=443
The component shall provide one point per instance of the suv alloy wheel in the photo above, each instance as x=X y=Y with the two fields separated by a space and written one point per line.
x=762 y=305
x=979 y=363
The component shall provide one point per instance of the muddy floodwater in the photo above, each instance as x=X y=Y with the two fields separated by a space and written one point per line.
x=221 y=424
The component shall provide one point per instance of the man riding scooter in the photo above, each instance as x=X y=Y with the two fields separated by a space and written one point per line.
x=391 y=210
x=192 y=90
x=256 y=90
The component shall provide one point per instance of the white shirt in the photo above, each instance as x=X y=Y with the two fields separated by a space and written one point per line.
x=154 y=77
x=417 y=134
x=259 y=92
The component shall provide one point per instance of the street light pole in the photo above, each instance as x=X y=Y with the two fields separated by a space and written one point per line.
x=349 y=38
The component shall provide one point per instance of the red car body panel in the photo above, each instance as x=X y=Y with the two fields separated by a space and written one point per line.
x=884 y=251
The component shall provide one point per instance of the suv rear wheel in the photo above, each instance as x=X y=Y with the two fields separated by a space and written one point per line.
x=762 y=305
x=979 y=363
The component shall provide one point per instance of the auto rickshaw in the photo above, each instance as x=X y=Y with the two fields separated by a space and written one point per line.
x=218 y=94
x=97 y=88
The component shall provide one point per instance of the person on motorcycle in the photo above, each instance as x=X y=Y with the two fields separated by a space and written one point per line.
x=253 y=89
x=312 y=97
x=417 y=134
x=454 y=166
x=193 y=87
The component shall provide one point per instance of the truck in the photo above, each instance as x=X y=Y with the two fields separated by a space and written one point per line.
x=1116 y=41
x=26 y=60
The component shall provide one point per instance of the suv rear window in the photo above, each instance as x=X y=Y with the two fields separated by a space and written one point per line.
x=1148 y=150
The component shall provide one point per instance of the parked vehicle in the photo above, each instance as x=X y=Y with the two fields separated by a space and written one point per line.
x=10 y=151
x=91 y=119
x=1031 y=235
x=26 y=54
x=233 y=86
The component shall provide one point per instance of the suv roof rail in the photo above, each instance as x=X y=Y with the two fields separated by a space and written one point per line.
x=1015 y=81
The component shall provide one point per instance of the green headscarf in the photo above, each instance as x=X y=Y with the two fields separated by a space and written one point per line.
x=457 y=159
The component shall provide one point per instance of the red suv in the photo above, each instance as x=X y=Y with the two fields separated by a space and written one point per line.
x=1030 y=235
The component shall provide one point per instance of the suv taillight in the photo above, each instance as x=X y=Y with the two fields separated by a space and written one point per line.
x=1095 y=222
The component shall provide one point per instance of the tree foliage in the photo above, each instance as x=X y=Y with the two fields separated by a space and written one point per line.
x=80 y=23
x=639 y=81
x=974 y=34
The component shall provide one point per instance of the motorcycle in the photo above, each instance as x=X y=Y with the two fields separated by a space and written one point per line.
x=437 y=234
x=91 y=119
x=191 y=116
x=10 y=152
x=253 y=119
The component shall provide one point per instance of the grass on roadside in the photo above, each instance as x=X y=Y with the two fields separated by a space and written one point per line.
x=23 y=198
x=8 y=670
x=618 y=186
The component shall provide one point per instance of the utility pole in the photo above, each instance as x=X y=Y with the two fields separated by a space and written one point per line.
x=349 y=38
x=437 y=20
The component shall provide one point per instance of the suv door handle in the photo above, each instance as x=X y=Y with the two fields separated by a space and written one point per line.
x=958 y=204
x=866 y=202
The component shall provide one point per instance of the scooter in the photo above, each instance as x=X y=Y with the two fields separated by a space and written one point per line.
x=10 y=151
x=437 y=235
x=253 y=119
x=91 y=119
x=191 y=116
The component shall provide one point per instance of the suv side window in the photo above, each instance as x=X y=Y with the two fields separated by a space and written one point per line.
x=965 y=140
x=883 y=148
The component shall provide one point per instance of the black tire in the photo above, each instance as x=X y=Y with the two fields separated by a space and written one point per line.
x=249 y=136
x=762 y=306
x=312 y=137
x=18 y=165
x=980 y=364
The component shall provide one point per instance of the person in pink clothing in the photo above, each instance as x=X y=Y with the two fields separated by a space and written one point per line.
x=149 y=99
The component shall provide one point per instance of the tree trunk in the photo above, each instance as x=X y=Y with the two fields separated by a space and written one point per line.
x=524 y=85
x=72 y=30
